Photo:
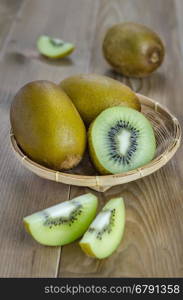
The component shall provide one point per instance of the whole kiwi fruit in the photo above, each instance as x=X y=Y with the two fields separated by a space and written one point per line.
x=47 y=125
x=92 y=93
x=132 y=49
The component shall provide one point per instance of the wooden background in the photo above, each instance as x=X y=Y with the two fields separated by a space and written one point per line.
x=153 y=239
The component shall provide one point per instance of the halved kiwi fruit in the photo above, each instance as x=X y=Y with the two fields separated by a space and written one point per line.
x=105 y=232
x=63 y=223
x=54 y=47
x=121 y=139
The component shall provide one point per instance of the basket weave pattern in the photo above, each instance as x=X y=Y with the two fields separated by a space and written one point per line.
x=168 y=136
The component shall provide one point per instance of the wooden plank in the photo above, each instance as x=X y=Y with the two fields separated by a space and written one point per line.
x=21 y=191
x=152 y=244
x=9 y=10
x=179 y=10
x=178 y=40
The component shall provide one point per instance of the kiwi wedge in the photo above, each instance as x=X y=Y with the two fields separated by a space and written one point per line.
x=121 y=139
x=63 y=223
x=105 y=232
x=54 y=47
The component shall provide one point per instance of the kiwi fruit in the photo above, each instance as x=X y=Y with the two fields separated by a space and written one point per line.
x=133 y=49
x=121 y=139
x=105 y=232
x=47 y=125
x=92 y=93
x=63 y=223
x=54 y=47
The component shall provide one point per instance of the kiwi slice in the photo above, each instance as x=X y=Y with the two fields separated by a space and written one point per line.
x=54 y=47
x=121 y=139
x=63 y=223
x=105 y=232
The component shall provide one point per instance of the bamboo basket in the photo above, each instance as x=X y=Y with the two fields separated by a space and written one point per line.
x=168 y=136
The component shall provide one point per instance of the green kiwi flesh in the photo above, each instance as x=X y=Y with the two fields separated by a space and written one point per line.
x=121 y=139
x=105 y=232
x=54 y=47
x=63 y=223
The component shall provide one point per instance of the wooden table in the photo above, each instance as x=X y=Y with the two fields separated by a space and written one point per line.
x=153 y=239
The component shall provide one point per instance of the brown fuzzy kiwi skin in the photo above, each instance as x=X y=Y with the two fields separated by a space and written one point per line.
x=133 y=49
x=93 y=155
x=93 y=93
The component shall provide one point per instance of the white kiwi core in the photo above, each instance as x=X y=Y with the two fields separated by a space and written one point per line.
x=123 y=139
x=102 y=220
x=61 y=210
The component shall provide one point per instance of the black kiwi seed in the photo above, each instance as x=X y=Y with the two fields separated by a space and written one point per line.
x=50 y=221
x=112 y=143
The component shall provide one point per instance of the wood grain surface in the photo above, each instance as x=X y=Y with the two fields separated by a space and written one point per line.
x=152 y=245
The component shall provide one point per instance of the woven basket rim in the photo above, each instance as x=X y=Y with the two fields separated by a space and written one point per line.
x=91 y=180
